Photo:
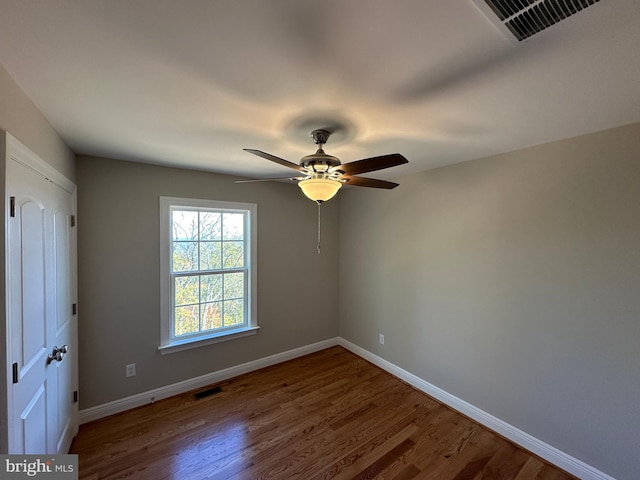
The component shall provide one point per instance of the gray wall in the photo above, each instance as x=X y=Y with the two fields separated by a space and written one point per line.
x=118 y=269
x=21 y=118
x=512 y=282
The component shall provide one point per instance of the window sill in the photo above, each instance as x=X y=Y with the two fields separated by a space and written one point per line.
x=211 y=339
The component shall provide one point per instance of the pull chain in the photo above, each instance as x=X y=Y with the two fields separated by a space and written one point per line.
x=319 y=203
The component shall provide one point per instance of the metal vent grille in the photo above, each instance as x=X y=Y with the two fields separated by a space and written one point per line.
x=525 y=18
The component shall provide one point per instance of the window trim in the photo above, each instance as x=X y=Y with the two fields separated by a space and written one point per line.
x=168 y=344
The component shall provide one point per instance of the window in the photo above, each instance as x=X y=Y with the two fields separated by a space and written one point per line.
x=208 y=272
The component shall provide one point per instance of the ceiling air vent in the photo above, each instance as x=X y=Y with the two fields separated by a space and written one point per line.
x=525 y=18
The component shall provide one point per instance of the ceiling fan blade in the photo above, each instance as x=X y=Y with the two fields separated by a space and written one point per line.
x=371 y=164
x=368 y=182
x=275 y=159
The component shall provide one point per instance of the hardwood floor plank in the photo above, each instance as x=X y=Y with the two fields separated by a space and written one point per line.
x=365 y=455
x=530 y=469
x=374 y=470
x=506 y=463
x=464 y=463
x=328 y=415
x=409 y=472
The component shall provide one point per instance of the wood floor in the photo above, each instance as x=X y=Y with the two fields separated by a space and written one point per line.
x=329 y=415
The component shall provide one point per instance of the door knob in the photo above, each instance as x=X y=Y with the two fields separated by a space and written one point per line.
x=57 y=354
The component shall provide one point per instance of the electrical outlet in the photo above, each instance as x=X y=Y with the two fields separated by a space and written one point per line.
x=381 y=339
x=130 y=370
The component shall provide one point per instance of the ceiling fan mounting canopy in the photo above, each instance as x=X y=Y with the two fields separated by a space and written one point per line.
x=320 y=136
x=325 y=172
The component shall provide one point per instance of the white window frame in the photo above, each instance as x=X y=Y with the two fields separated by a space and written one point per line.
x=171 y=344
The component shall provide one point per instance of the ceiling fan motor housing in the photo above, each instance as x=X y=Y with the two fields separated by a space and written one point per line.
x=319 y=162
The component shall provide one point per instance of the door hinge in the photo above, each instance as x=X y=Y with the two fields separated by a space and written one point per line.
x=73 y=220
x=12 y=206
x=75 y=396
x=15 y=373
x=74 y=309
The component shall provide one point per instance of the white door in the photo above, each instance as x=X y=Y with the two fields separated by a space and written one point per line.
x=41 y=323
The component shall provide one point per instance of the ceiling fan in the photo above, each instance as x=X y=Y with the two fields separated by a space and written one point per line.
x=323 y=174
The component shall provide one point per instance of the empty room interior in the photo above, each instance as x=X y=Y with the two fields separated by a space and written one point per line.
x=341 y=239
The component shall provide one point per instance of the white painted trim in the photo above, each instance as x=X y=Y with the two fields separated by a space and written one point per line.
x=170 y=344
x=20 y=153
x=517 y=436
x=215 y=338
x=6 y=404
x=117 y=406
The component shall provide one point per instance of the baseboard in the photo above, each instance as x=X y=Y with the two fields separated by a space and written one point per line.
x=517 y=436
x=127 y=403
x=538 y=447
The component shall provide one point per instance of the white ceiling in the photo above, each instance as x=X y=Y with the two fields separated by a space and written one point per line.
x=190 y=83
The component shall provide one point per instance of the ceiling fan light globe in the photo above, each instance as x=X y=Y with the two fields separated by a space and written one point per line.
x=320 y=189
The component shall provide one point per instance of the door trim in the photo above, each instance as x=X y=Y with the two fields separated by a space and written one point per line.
x=19 y=153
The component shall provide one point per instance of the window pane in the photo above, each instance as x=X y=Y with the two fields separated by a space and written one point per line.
x=210 y=226
x=211 y=315
x=210 y=288
x=210 y=255
x=186 y=291
x=184 y=225
x=233 y=285
x=208 y=269
x=232 y=226
x=233 y=312
x=187 y=320
x=185 y=256
x=232 y=254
